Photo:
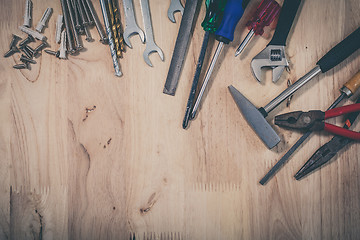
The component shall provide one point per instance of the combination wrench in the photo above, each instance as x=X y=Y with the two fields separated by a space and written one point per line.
x=149 y=35
x=175 y=6
x=131 y=26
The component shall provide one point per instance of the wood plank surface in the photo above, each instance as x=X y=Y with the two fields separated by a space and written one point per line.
x=127 y=168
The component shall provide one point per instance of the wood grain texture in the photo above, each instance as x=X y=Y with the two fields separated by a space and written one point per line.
x=128 y=169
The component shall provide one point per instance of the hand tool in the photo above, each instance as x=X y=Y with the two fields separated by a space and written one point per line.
x=175 y=6
x=181 y=45
x=314 y=120
x=33 y=33
x=233 y=11
x=67 y=27
x=256 y=117
x=98 y=26
x=214 y=11
x=273 y=55
x=265 y=14
x=326 y=152
x=44 y=19
x=28 y=13
x=110 y=39
x=149 y=35
x=349 y=88
x=131 y=26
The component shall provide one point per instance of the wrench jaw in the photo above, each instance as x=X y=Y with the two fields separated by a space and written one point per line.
x=175 y=6
x=271 y=57
x=149 y=50
x=130 y=32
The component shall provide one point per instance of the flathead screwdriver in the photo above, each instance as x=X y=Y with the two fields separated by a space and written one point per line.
x=233 y=11
x=214 y=11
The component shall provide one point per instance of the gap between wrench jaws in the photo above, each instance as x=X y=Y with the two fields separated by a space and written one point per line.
x=149 y=34
x=175 y=6
x=131 y=26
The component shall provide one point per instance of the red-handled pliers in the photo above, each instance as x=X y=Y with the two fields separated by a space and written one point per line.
x=314 y=120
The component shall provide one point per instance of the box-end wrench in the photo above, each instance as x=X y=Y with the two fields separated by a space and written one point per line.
x=149 y=35
x=131 y=26
x=273 y=56
x=175 y=6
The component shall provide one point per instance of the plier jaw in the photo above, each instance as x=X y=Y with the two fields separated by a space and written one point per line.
x=309 y=121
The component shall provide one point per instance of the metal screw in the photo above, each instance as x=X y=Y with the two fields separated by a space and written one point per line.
x=26 y=51
x=38 y=49
x=67 y=27
x=103 y=39
x=88 y=35
x=30 y=49
x=78 y=44
x=44 y=19
x=27 y=40
x=82 y=13
x=14 y=41
x=21 y=66
x=51 y=52
x=87 y=12
x=28 y=13
x=25 y=59
x=11 y=52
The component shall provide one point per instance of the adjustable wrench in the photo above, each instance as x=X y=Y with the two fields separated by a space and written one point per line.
x=273 y=56
x=150 y=43
x=175 y=6
x=131 y=26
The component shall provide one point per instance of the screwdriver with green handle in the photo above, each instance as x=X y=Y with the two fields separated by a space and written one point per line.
x=214 y=11
x=233 y=11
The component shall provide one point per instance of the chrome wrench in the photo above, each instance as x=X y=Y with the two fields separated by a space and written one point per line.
x=175 y=6
x=149 y=35
x=131 y=26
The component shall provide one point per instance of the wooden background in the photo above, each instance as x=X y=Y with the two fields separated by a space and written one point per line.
x=130 y=169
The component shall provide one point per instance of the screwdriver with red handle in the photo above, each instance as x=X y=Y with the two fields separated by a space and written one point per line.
x=264 y=15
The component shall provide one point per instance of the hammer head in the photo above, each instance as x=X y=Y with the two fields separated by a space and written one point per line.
x=273 y=56
x=255 y=118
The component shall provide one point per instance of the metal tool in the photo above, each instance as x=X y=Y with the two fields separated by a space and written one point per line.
x=28 y=13
x=21 y=66
x=11 y=52
x=273 y=56
x=212 y=20
x=25 y=59
x=175 y=6
x=326 y=152
x=233 y=11
x=77 y=39
x=264 y=15
x=131 y=26
x=110 y=38
x=67 y=27
x=111 y=11
x=98 y=25
x=149 y=34
x=256 y=117
x=39 y=48
x=181 y=45
x=44 y=19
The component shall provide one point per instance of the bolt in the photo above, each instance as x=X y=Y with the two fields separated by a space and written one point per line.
x=21 y=66
x=82 y=13
x=15 y=39
x=26 y=51
x=98 y=26
x=51 y=52
x=67 y=27
x=11 y=52
x=27 y=40
x=25 y=59
x=307 y=119
x=78 y=44
x=44 y=19
x=30 y=49
x=87 y=13
x=38 y=49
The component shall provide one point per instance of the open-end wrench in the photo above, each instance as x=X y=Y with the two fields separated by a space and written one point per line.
x=175 y=6
x=149 y=35
x=131 y=26
x=273 y=56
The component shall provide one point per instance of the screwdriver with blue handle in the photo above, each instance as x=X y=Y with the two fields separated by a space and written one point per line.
x=212 y=20
x=233 y=11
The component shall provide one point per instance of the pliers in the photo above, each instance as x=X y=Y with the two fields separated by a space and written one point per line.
x=314 y=120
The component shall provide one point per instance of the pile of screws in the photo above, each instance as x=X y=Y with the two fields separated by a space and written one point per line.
x=28 y=53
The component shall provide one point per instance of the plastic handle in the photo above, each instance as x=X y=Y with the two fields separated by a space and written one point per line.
x=232 y=13
x=341 y=51
x=354 y=83
x=213 y=16
x=286 y=18
x=342 y=110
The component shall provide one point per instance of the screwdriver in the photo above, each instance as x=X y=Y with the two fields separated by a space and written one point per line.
x=349 y=88
x=214 y=10
x=264 y=15
x=233 y=11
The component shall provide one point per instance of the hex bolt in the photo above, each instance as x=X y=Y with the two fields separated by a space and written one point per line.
x=51 y=52
x=67 y=27
x=21 y=66
x=28 y=13
x=59 y=24
x=98 y=26
x=32 y=33
x=25 y=59
x=27 y=40
x=26 y=51
x=15 y=39
x=11 y=52
x=44 y=19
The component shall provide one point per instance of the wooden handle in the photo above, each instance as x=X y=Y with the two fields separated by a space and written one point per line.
x=354 y=83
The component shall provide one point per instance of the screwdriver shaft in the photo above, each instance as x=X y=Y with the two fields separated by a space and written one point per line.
x=207 y=78
x=244 y=42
